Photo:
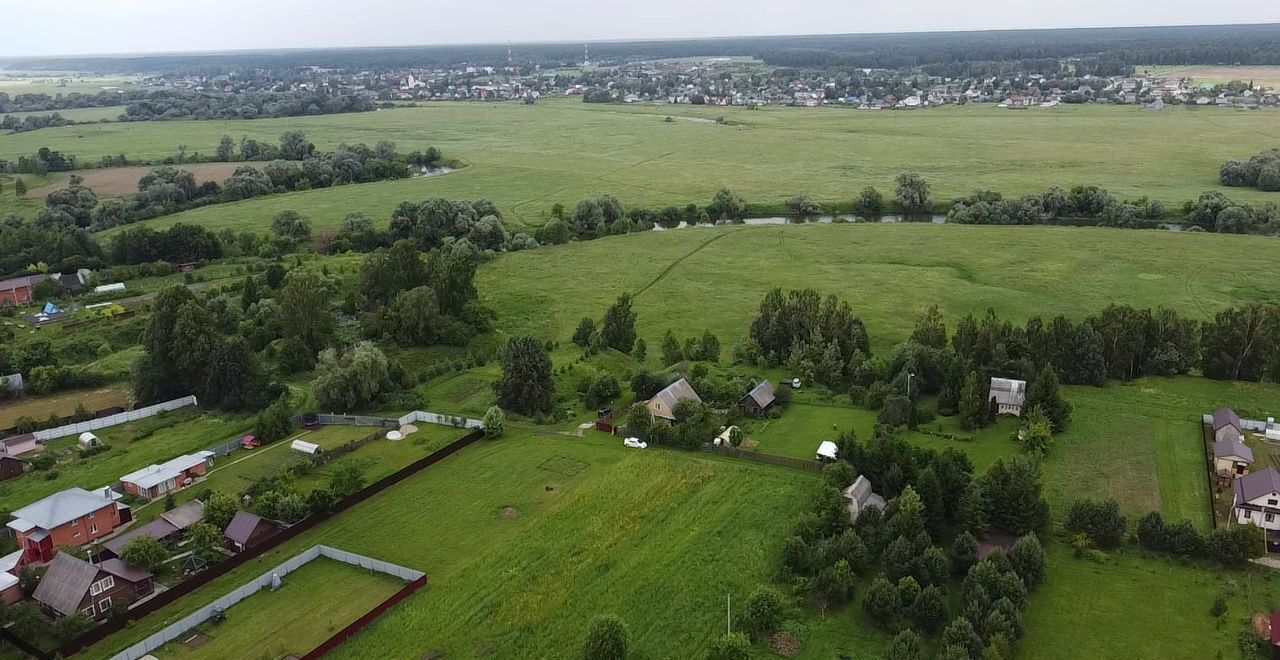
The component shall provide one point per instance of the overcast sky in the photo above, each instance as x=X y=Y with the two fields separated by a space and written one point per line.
x=51 y=27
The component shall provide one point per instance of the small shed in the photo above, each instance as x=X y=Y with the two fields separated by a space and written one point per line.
x=20 y=444
x=725 y=439
x=827 y=451
x=109 y=288
x=89 y=441
x=246 y=531
x=759 y=400
x=304 y=447
x=249 y=442
x=10 y=466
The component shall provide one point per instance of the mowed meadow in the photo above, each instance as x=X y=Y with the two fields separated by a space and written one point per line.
x=714 y=278
x=527 y=158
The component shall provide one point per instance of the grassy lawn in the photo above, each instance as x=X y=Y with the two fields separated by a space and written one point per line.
x=63 y=404
x=1140 y=607
x=133 y=446
x=527 y=158
x=528 y=537
x=379 y=458
x=1141 y=443
x=316 y=601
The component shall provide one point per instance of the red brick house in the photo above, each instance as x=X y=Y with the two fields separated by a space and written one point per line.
x=20 y=290
x=74 y=585
x=73 y=517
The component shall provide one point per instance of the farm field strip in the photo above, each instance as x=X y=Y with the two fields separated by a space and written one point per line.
x=526 y=158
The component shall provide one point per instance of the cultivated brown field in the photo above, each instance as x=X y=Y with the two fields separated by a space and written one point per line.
x=118 y=181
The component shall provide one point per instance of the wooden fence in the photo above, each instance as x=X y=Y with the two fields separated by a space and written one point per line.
x=363 y=622
x=785 y=461
x=222 y=568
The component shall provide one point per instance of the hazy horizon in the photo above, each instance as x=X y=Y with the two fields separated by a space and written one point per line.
x=151 y=27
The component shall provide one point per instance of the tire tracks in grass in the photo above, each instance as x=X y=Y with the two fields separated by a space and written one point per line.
x=672 y=266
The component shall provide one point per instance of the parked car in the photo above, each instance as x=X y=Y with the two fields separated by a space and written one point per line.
x=635 y=443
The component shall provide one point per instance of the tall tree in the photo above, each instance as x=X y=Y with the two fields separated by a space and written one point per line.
x=618 y=330
x=913 y=193
x=1043 y=393
x=304 y=305
x=526 y=385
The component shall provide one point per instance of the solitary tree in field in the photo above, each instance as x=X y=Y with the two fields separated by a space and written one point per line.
x=913 y=193
x=20 y=188
x=618 y=330
x=494 y=422
x=606 y=639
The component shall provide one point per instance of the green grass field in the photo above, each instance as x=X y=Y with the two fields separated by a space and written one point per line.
x=175 y=434
x=527 y=158
x=714 y=278
x=108 y=113
x=378 y=459
x=525 y=538
x=316 y=601
x=1137 y=607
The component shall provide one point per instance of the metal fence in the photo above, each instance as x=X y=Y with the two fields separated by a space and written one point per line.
x=442 y=420
x=183 y=625
x=356 y=420
x=15 y=383
x=113 y=420
x=784 y=461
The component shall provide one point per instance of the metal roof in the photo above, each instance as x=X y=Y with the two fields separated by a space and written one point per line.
x=60 y=508
x=154 y=475
x=242 y=526
x=1257 y=484
x=676 y=392
x=1225 y=417
x=157 y=529
x=1232 y=447
x=1008 y=391
x=762 y=394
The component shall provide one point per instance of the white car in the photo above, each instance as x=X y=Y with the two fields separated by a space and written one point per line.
x=635 y=443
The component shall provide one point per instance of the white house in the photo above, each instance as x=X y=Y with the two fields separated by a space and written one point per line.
x=1009 y=395
x=1257 y=499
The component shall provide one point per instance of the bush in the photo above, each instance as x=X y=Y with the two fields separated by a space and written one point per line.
x=606 y=639
x=494 y=422
x=733 y=646
x=1100 y=521
x=764 y=612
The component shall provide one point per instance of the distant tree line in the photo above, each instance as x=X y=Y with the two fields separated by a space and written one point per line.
x=1261 y=172
x=172 y=104
x=32 y=122
x=167 y=190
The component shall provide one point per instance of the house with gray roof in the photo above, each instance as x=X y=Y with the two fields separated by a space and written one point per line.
x=73 y=517
x=860 y=497
x=1226 y=425
x=1009 y=394
x=175 y=474
x=1232 y=457
x=663 y=404
x=245 y=531
x=166 y=529
x=74 y=585
x=1257 y=500
x=759 y=400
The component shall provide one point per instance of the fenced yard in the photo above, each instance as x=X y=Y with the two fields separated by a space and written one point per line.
x=316 y=601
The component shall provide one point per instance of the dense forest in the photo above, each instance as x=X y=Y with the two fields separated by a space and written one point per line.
x=943 y=53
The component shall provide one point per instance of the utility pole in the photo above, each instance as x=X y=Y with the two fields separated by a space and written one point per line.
x=728 y=614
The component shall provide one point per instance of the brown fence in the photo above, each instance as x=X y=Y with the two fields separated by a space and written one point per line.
x=226 y=566
x=784 y=461
x=363 y=622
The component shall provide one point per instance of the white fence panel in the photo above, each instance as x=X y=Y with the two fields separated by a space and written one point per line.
x=113 y=420
x=441 y=420
x=182 y=626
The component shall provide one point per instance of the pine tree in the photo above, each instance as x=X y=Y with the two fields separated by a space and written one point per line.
x=1043 y=392
x=671 y=353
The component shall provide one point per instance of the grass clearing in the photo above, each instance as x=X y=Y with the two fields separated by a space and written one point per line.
x=714 y=279
x=63 y=404
x=314 y=602
x=118 y=181
x=527 y=158
x=1267 y=76
x=106 y=113
x=133 y=446
x=1139 y=607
